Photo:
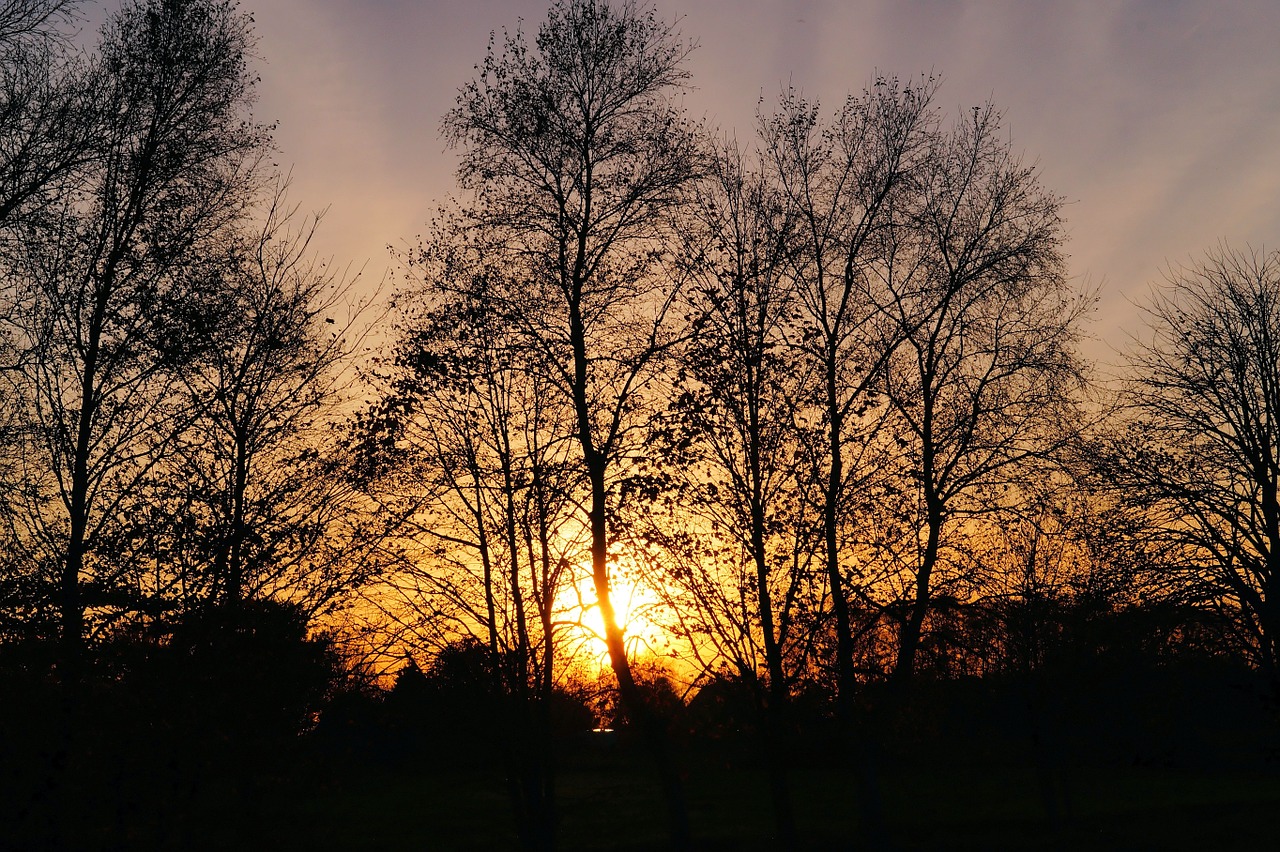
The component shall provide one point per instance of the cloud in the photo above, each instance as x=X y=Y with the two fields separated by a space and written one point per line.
x=1157 y=119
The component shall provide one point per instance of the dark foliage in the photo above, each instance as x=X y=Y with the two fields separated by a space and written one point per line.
x=165 y=726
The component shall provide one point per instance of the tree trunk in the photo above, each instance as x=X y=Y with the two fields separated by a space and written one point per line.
x=856 y=732
x=777 y=704
x=234 y=591
x=909 y=643
x=638 y=710
x=78 y=508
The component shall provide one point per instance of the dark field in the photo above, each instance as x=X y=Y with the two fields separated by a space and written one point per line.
x=307 y=797
x=612 y=805
x=610 y=802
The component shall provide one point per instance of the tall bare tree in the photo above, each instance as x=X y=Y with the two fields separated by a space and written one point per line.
x=473 y=449
x=846 y=182
x=738 y=538
x=47 y=116
x=576 y=149
x=985 y=372
x=176 y=161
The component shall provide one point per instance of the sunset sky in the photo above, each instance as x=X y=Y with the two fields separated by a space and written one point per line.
x=1159 y=121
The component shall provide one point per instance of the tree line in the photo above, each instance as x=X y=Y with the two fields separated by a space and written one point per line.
x=171 y=352
x=821 y=395
x=171 y=343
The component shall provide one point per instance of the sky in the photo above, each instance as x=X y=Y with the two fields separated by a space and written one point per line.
x=1157 y=120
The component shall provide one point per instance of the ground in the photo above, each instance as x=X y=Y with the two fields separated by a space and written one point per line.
x=609 y=802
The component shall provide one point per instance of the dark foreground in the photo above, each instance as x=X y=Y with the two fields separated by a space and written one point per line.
x=175 y=751
x=613 y=806
x=609 y=802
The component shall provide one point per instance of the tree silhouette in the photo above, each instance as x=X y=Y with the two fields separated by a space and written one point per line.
x=46 y=106
x=732 y=448
x=175 y=161
x=1199 y=454
x=254 y=500
x=577 y=154
x=985 y=373
x=47 y=118
x=845 y=183
x=469 y=446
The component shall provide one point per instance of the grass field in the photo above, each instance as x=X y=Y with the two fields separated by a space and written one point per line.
x=610 y=803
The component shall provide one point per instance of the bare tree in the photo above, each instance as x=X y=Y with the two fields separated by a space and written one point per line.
x=472 y=449
x=25 y=21
x=252 y=499
x=736 y=540
x=47 y=113
x=577 y=152
x=46 y=105
x=985 y=372
x=844 y=182
x=1200 y=454
x=176 y=162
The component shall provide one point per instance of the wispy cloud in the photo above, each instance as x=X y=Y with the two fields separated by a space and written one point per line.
x=1159 y=120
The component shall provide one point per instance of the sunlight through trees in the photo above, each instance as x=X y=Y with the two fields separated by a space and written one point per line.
x=778 y=455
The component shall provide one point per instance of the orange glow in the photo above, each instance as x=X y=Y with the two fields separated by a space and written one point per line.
x=583 y=625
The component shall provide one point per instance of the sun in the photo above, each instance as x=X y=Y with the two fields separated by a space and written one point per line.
x=578 y=612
